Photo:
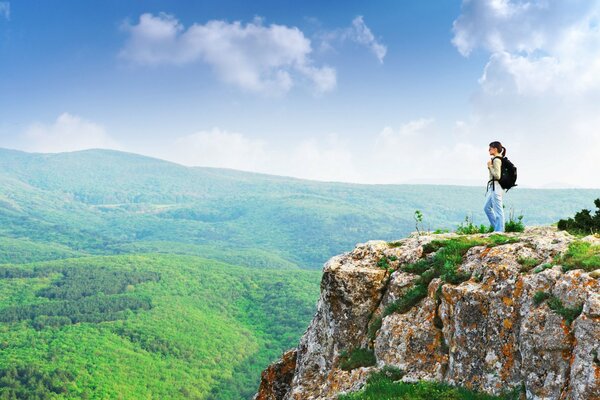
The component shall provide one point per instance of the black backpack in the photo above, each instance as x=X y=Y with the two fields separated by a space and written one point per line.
x=508 y=174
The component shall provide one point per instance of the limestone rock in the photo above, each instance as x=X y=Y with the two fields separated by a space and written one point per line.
x=276 y=379
x=486 y=333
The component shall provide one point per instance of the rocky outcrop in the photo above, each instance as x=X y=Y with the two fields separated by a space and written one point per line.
x=276 y=379
x=493 y=332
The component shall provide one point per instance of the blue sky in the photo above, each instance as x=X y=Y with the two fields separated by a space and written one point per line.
x=370 y=92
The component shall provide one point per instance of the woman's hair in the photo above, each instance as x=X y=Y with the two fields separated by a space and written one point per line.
x=498 y=146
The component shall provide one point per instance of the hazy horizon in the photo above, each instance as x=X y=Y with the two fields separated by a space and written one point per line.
x=424 y=182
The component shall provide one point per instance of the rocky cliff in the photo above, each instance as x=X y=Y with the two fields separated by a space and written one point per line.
x=487 y=312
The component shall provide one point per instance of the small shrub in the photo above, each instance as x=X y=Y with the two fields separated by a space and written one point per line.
x=433 y=246
x=583 y=223
x=418 y=221
x=468 y=228
x=540 y=296
x=356 y=358
x=514 y=225
x=417 y=268
x=384 y=262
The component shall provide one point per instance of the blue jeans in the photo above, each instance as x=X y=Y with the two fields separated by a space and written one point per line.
x=493 y=207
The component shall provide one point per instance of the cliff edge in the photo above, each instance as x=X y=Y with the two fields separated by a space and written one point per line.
x=487 y=312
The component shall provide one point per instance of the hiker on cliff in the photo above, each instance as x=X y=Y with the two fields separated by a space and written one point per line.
x=493 y=203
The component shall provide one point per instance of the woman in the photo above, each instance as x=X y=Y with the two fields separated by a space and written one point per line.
x=493 y=203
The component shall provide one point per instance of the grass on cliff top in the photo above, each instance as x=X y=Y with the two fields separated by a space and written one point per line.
x=449 y=255
x=381 y=385
x=581 y=255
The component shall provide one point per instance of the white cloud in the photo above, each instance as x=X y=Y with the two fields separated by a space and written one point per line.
x=536 y=46
x=68 y=133
x=5 y=9
x=254 y=57
x=358 y=32
x=541 y=85
x=361 y=33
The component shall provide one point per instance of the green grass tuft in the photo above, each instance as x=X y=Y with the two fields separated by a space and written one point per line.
x=581 y=255
x=449 y=255
x=468 y=228
x=382 y=385
x=406 y=302
x=540 y=296
x=527 y=263
x=569 y=314
x=514 y=225
x=543 y=267
x=356 y=358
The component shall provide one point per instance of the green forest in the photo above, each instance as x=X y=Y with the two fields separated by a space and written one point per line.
x=127 y=277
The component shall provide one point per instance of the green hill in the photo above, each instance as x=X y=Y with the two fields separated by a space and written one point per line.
x=123 y=276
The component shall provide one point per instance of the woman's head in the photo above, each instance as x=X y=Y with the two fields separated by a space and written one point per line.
x=496 y=149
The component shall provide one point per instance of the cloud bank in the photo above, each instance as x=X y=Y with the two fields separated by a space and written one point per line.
x=540 y=88
x=254 y=57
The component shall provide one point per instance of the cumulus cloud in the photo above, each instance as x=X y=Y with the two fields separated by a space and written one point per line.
x=541 y=84
x=68 y=133
x=358 y=32
x=536 y=46
x=267 y=59
x=5 y=9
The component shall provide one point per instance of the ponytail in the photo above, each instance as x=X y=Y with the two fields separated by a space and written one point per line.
x=498 y=146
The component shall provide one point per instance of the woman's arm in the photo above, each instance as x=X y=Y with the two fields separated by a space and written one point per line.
x=496 y=168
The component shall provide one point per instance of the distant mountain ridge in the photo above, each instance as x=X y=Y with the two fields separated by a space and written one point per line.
x=117 y=202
